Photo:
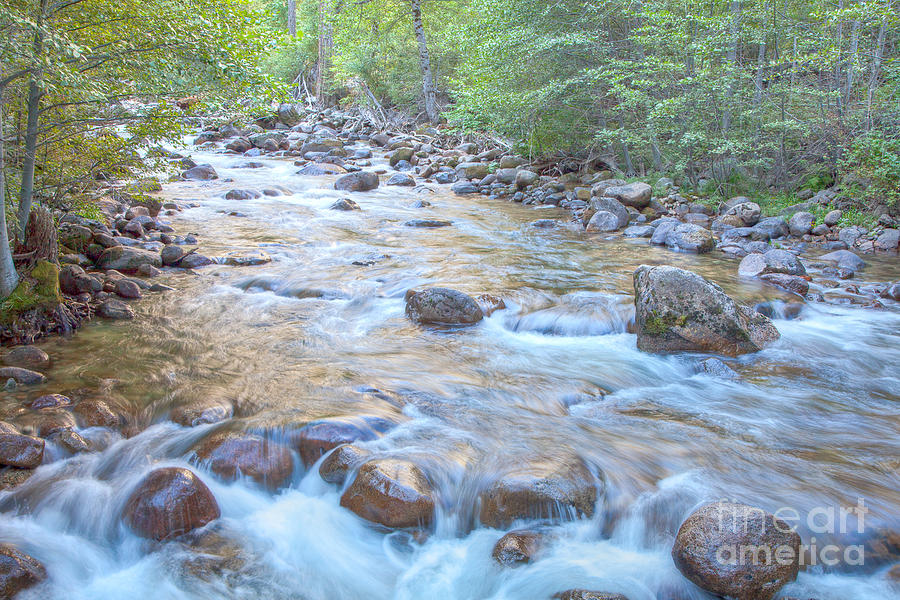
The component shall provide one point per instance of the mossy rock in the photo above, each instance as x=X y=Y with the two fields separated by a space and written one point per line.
x=39 y=289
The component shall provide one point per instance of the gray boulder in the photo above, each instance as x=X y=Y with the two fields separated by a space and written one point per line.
x=773 y=261
x=801 y=223
x=361 y=181
x=844 y=259
x=636 y=195
x=442 y=306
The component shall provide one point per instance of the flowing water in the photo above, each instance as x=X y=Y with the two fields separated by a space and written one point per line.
x=321 y=331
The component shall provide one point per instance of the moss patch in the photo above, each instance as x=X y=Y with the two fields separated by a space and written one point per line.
x=660 y=325
x=37 y=289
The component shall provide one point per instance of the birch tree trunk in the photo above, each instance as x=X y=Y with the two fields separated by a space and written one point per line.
x=26 y=190
x=326 y=43
x=9 y=279
x=732 y=62
x=292 y=17
x=431 y=107
x=873 y=78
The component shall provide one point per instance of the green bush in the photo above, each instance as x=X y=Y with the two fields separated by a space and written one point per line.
x=872 y=170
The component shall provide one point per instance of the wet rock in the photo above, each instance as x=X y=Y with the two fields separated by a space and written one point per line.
x=233 y=454
x=18 y=571
x=21 y=376
x=888 y=240
x=171 y=254
x=427 y=223
x=773 y=261
x=844 y=259
x=770 y=228
x=127 y=289
x=345 y=204
x=636 y=195
x=242 y=194
x=447 y=177
x=240 y=145
x=588 y=595
x=21 y=451
x=27 y=357
x=319 y=169
x=54 y=420
x=442 y=306
x=543 y=224
x=789 y=283
x=518 y=547
x=202 y=412
x=318 y=438
x=400 y=154
x=127 y=259
x=115 y=310
x=11 y=477
x=96 y=413
x=717 y=368
x=464 y=188
x=248 y=259
x=747 y=214
x=50 y=401
x=712 y=545
x=73 y=281
x=490 y=304
x=680 y=311
x=169 y=502
x=200 y=173
x=194 y=261
x=361 y=181
x=70 y=441
x=613 y=206
x=391 y=492
x=340 y=462
x=552 y=488
x=690 y=238
x=639 y=231
x=401 y=179
x=148 y=271
x=603 y=221
x=801 y=223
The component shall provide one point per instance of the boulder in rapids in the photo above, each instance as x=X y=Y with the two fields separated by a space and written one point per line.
x=737 y=551
x=518 y=547
x=552 y=488
x=21 y=451
x=319 y=169
x=239 y=145
x=319 y=437
x=169 y=502
x=233 y=454
x=402 y=180
x=194 y=260
x=427 y=223
x=340 y=462
x=391 y=492
x=127 y=259
x=28 y=357
x=442 y=306
x=345 y=204
x=242 y=194
x=587 y=595
x=361 y=181
x=18 y=571
x=96 y=413
x=679 y=311
x=200 y=173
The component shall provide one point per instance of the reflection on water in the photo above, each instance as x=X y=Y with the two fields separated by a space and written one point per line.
x=320 y=331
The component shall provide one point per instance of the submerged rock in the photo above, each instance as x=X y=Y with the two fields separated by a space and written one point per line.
x=679 y=311
x=233 y=454
x=169 y=502
x=844 y=259
x=518 y=547
x=21 y=376
x=115 y=310
x=737 y=551
x=340 y=462
x=772 y=261
x=21 y=451
x=200 y=172
x=391 y=492
x=588 y=595
x=28 y=357
x=549 y=489
x=18 y=571
x=317 y=439
x=442 y=306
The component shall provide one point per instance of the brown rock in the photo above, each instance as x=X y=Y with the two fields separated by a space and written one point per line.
x=394 y=493
x=11 y=477
x=52 y=421
x=232 y=454
x=203 y=412
x=18 y=571
x=588 y=595
x=22 y=376
x=733 y=550
x=71 y=441
x=128 y=289
x=518 y=547
x=553 y=488
x=169 y=502
x=442 y=306
x=21 y=451
x=96 y=413
x=340 y=462
x=27 y=357
x=51 y=401
x=316 y=439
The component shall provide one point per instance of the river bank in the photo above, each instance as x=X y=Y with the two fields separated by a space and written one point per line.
x=315 y=346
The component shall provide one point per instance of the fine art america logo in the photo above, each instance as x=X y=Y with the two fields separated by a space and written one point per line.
x=775 y=541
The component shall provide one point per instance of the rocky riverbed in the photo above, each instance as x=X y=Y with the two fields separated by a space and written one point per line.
x=335 y=362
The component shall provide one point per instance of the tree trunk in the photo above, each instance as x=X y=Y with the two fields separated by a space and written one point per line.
x=758 y=80
x=26 y=190
x=873 y=78
x=9 y=279
x=854 y=47
x=326 y=43
x=431 y=107
x=732 y=63
x=292 y=17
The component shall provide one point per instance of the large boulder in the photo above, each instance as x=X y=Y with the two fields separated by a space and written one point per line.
x=746 y=214
x=391 y=492
x=844 y=259
x=689 y=237
x=169 y=502
x=22 y=376
x=73 y=281
x=21 y=451
x=340 y=462
x=128 y=259
x=361 y=181
x=200 y=173
x=234 y=454
x=611 y=205
x=636 y=194
x=551 y=488
x=442 y=306
x=679 y=311
x=18 y=571
x=28 y=357
x=318 y=438
x=770 y=228
x=472 y=170
x=525 y=178
x=801 y=223
x=603 y=221
x=518 y=547
x=401 y=154
x=773 y=261
x=737 y=551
